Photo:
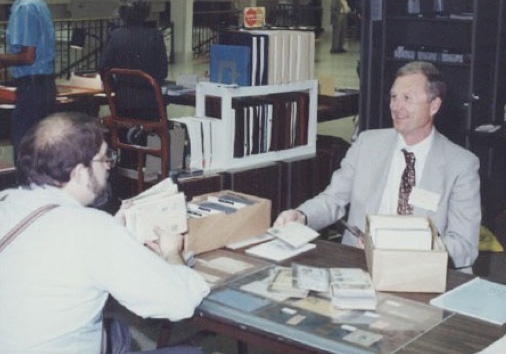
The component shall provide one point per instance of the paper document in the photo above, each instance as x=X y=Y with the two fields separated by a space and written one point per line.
x=277 y=250
x=249 y=241
x=164 y=186
x=477 y=298
x=294 y=234
x=400 y=232
x=162 y=206
x=283 y=282
x=311 y=278
x=167 y=212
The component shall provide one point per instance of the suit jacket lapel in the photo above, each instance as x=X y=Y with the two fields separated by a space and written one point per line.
x=432 y=178
x=380 y=171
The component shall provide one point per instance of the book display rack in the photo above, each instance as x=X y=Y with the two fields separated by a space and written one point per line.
x=257 y=124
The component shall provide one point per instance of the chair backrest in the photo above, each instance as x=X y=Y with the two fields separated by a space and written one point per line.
x=121 y=119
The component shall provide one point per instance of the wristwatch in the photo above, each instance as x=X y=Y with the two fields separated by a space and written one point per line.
x=304 y=216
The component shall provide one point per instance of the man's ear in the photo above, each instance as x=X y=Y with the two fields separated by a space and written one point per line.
x=435 y=104
x=79 y=174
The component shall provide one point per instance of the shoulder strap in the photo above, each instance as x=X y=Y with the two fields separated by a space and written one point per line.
x=23 y=224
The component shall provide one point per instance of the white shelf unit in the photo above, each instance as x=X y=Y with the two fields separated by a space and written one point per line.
x=223 y=129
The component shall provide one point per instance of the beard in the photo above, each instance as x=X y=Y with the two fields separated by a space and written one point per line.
x=102 y=191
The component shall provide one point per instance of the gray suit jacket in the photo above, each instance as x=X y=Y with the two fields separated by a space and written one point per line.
x=450 y=171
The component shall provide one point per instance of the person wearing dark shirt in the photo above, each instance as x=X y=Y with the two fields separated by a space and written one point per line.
x=136 y=45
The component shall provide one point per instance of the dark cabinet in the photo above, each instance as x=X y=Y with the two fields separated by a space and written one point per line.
x=193 y=187
x=305 y=178
x=330 y=151
x=463 y=38
x=299 y=181
x=261 y=181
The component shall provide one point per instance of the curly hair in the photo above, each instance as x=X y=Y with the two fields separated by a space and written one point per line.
x=51 y=149
x=134 y=11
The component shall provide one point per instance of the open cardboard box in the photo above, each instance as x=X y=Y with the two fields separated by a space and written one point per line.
x=408 y=270
x=215 y=231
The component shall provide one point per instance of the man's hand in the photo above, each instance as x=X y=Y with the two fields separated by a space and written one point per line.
x=360 y=242
x=120 y=214
x=168 y=246
x=290 y=215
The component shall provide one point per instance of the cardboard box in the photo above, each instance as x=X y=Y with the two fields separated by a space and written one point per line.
x=408 y=270
x=215 y=231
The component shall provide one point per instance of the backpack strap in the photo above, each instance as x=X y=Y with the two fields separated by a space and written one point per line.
x=23 y=224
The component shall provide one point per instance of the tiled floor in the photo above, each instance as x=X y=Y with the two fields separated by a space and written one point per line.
x=342 y=68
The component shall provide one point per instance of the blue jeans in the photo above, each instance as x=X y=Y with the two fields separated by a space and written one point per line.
x=34 y=101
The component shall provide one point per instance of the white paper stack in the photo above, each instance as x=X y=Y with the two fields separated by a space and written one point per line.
x=400 y=232
x=160 y=206
x=352 y=288
x=291 y=239
x=294 y=234
x=277 y=250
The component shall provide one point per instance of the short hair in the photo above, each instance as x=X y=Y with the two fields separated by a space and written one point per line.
x=134 y=11
x=51 y=149
x=436 y=85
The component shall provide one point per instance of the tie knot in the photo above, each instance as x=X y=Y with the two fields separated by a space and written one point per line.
x=409 y=157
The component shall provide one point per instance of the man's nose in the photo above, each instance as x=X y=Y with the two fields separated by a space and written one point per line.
x=396 y=105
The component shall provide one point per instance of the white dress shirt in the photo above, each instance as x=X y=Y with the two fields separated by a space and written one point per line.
x=390 y=198
x=56 y=276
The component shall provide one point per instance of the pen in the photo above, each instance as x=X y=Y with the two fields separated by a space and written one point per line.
x=353 y=229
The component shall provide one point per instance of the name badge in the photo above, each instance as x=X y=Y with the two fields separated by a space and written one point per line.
x=424 y=199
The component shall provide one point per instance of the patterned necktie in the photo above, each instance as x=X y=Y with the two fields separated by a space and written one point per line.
x=407 y=183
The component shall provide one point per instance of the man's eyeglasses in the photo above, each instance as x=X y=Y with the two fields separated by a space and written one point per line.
x=111 y=158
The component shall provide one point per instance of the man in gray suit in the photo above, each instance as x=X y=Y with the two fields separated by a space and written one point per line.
x=447 y=184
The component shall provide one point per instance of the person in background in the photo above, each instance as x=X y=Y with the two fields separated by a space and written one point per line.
x=30 y=55
x=136 y=45
x=57 y=274
x=408 y=169
x=339 y=19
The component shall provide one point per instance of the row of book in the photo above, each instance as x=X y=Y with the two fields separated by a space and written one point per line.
x=262 y=57
x=261 y=124
x=270 y=123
